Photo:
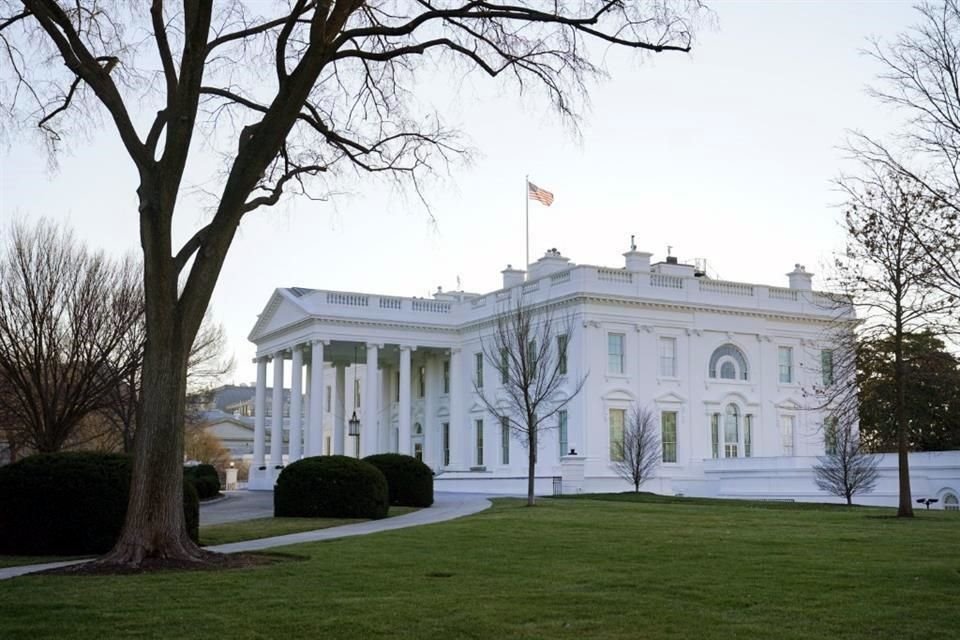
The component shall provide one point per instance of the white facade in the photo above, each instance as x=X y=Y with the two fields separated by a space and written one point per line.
x=723 y=365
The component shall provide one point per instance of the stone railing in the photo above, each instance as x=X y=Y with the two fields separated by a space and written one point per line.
x=430 y=306
x=726 y=288
x=779 y=293
x=666 y=282
x=614 y=275
x=348 y=299
x=391 y=303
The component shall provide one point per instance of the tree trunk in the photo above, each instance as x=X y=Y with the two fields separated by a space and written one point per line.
x=905 y=507
x=531 y=467
x=154 y=526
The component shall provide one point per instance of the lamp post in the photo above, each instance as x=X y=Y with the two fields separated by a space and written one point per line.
x=354 y=422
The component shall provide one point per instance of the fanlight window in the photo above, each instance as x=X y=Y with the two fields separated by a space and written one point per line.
x=951 y=503
x=728 y=363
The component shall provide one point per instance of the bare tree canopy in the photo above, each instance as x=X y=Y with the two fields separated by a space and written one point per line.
x=919 y=77
x=65 y=316
x=847 y=469
x=527 y=348
x=637 y=456
x=291 y=94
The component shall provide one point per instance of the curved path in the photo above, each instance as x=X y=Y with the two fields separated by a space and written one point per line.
x=446 y=506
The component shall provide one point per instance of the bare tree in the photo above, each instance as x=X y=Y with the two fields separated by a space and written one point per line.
x=848 y=468
x=920 y=76
x=637 y=457
x=304 y=94
x=65 y=314
x=887 y=272
x=528 y=350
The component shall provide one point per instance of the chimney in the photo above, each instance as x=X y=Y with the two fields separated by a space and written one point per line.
x=512 y=277
x=637 y=260
x=800 y=278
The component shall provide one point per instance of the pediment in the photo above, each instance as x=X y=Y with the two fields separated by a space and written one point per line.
x=281 y=311
x=669 y=398
x=789 y=404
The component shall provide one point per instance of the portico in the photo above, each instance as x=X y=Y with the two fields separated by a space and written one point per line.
x=396 y=390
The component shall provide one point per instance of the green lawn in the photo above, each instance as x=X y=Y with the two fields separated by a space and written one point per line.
x=268 y=527
x=580 y=568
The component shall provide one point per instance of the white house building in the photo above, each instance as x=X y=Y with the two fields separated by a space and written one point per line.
x=722 y=365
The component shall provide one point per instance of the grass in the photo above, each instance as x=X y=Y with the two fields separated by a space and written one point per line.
x=268 y=527
x=574 y=568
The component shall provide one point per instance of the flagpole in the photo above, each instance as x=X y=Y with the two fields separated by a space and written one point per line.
x=526 y=198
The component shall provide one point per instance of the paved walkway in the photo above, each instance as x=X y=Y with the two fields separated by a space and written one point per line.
x=446 y=506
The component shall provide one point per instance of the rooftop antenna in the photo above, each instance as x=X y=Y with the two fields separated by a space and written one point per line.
x=669 y=249
x=633 y=245
x=458 y=283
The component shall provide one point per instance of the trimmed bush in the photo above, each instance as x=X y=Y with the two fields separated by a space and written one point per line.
x=409 y=481
x=331 y=487
x=205 y=479
x=70 y=503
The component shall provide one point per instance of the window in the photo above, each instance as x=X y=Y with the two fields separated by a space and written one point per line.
x=830 y=436
x=748 y=435
x=786 y=364
x=731 y=431
x=329 y=393
x=478 y=358
x=532 y=358
x=615 y=352
x=715 y=434
x=562 y=415
x=445 y=427
x=504 y=440
x=396 y=388
x=668 y=435
x=668 y=357
x=786 y=434
x=562 y=354
x=356 y=394
x=950 y=502
x=446 y=376
x=422 y=380
x=728 y=362
x=826 y=366
x=504 y=366
x=418 y=451
x=479 y=427
x=617 y=421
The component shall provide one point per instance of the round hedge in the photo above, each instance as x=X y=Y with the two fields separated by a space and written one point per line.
x=70 y=503
x=205 y=479
x=331 y=487
x=409 y=481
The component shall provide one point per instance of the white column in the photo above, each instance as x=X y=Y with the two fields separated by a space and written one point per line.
x=403 y=446
x=276 y=415
x=307 y=403
x=296 y=404
x=383 y=441
x=260 y=414
x=340 y=408
x=369 y=434
x=315 y=427
x=430 y=426
x=459 y=433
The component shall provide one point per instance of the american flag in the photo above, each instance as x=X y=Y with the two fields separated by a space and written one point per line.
x=540 y=195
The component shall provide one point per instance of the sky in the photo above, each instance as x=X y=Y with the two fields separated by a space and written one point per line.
x=727 y=153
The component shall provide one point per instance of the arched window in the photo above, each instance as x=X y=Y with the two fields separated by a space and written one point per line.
x=731 y=431
x=728 y=363
x=417 y=429
x=950 y=502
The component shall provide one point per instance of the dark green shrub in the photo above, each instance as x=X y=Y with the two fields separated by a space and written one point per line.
x=409 y=481
x=68 y=503
x=205 y=479
x=331 y=487
x=191 y=511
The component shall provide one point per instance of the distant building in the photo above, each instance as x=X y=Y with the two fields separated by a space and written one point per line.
x=723 y=366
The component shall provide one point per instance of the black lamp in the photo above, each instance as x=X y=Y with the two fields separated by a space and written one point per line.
x=354 y=423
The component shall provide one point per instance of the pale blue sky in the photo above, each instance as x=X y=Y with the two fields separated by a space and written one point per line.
x=726 y=154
